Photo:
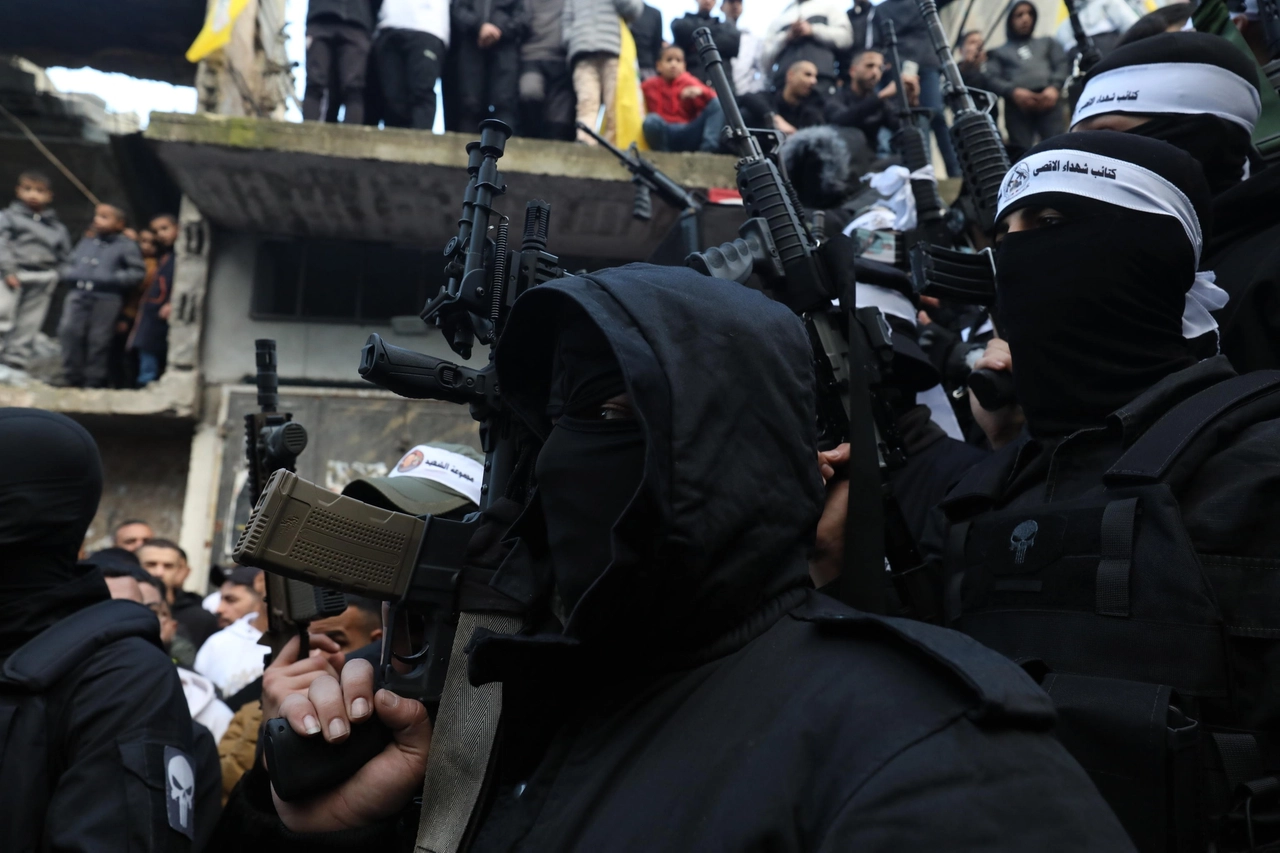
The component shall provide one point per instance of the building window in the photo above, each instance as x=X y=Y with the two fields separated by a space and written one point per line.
x=342 y=280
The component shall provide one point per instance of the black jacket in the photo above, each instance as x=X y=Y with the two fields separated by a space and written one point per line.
x=1244 y=251
x=723 y=32
x=1026 y=63
x=759 y=107
x=1227 y=505
x=909 y=27
x=510 y=16
x=358 y=12
x=98 y=779
x=197 y=623
x=647 y=33
x=867 y=113
x=720 y=703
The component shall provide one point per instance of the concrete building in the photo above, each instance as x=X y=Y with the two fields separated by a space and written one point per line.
x=316 y=236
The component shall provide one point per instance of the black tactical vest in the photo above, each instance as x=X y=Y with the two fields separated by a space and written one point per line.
x=1106 y=601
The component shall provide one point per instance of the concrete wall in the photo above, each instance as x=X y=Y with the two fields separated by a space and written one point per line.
x=310 y=351
x=144 y=467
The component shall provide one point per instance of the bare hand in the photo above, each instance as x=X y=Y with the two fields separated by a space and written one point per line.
x=1003 y=425
x=1048 y=98
x=800 y=29
x=688 y=93
x=828 y=551
x=12 y=281
x=1024 y=99
x=783 y=125
x=382 y=787
x=165 y=310
x=889 y=91
x=911 y=83
x=288 y=675
x=489 y=35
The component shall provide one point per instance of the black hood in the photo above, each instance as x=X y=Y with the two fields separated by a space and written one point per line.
x=1009 y=34
x=721 y=380
x=50 y=484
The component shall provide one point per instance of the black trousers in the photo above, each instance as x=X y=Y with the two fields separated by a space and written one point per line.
x=88 y=324
x=547 y=101
x=337 y=58
x=409 y=62
x=1026 y=129
x=485 y=78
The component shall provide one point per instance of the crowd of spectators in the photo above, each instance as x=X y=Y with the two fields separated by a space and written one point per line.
x=542 y=66
x=116 y=281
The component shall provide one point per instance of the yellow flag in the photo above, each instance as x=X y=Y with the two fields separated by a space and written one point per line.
x=217 y=28
x=628 y=107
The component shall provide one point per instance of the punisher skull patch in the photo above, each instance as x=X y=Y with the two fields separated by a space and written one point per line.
x=180 y=791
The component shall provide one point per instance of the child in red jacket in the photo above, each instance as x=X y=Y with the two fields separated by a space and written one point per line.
x=684 y=114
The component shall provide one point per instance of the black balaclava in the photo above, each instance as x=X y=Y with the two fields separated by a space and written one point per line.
x=50 y=483
x=1092 y=309
x=1176 y=79
x=591 y=464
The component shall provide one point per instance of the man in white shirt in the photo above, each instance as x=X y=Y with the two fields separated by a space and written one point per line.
x=409 y=50
x=232 y=657
x=748 y=76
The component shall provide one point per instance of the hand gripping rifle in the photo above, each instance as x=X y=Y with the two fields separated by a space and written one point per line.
x=911 y=142
x=974 y=135
x=417 y=564
x=852 y=348
x=273 y=441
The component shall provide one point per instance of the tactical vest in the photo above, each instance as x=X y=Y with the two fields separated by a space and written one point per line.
x=1104 y=599
x=30 y=758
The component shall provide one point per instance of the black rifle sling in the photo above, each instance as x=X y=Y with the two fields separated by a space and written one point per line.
x=1150 y=458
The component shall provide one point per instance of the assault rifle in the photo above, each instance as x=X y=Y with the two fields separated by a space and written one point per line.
x=649 y=179
x=1087 y=53
x=418 y=564
x=273 y=441
x=973 y=134
x=984 y=162
x=911 y=141
x=853 y=348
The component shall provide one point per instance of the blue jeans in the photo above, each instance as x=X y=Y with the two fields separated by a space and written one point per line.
x=931 y=98
x=701 y=134
x=148 y=367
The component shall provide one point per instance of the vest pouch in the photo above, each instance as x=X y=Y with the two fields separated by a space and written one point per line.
x=1141 y=751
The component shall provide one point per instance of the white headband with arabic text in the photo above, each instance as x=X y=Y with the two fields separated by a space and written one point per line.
x=1180 y=88
x=1124 y=184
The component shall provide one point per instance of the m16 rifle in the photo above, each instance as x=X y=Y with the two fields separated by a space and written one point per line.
x=1087 y=53
x=853 y=347
x=649 y=180
x=417 y=564
x=273 y=441
x=941 y=272
x=973 y=134
x=913 y=144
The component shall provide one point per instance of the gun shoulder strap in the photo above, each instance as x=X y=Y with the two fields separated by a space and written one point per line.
x=1175 y=445
x=461 y=743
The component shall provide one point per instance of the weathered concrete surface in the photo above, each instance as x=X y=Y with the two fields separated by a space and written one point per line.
x=143 y=38
x=144 y=467
x=175 y=394
x=404 y=186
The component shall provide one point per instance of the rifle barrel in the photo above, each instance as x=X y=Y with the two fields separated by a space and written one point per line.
x=735 y=127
